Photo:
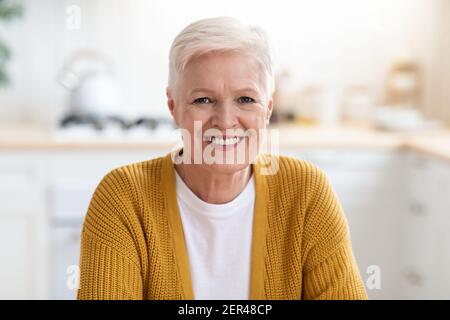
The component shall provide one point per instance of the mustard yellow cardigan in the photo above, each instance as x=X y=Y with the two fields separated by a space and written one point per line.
x=133 y=247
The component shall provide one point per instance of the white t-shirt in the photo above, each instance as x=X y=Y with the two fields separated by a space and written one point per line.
x=218 y=240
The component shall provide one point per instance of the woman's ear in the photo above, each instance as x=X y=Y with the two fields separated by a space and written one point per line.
x=170 y=101
x=269 y=112
x=171 y=105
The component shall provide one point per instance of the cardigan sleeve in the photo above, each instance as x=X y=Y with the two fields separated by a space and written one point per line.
x=106 y=274
x=329 y=269
x=109 y=260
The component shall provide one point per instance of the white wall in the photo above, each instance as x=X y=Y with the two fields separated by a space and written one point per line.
x=322 y=42
x=34 y=93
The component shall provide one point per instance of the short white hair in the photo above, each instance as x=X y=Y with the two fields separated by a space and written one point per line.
x=221 y=34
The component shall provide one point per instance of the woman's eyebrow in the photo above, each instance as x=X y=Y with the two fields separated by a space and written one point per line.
x=253 y=90
x=248 y=89
x=202 y=90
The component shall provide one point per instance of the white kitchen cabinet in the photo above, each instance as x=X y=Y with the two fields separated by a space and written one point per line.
x=64 y=260
x=441 y=204
x=425 y=247
x=22 y=230
x=15 y=257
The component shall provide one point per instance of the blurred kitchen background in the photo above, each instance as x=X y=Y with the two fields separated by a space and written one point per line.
x=363 y=91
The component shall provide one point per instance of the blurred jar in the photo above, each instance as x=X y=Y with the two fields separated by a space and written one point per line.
x=319 y=105
x=358 y=104
x=331 y=108
x=403 y=84
x=284 y=98
x=310 y=101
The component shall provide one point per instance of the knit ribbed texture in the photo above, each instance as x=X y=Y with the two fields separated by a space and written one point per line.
x=131 y=247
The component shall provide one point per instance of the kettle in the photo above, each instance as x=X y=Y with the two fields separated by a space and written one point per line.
x=94 y=89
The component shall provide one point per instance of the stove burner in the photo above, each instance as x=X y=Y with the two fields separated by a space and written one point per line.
x=101 y=123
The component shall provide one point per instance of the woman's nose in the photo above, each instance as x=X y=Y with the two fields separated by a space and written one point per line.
x=225 y=115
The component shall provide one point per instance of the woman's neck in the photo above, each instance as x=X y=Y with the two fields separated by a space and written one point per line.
x=211 y=187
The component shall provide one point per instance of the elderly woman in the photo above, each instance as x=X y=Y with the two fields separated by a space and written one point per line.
x=189 y=226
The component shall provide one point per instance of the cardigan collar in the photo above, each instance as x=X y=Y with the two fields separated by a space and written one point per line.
x=257 y=270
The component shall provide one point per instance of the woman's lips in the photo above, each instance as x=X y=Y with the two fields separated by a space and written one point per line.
x=225 y=142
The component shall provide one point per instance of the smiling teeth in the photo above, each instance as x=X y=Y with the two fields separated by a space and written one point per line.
x=224 y=142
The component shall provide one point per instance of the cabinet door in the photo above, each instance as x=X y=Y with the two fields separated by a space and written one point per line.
x=65 y=249
x=425 y=247
x=16 y=258
x=22 y=230
x=418 y=260
x=439 y=204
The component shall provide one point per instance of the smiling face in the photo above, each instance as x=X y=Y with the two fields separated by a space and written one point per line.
x=225 y=96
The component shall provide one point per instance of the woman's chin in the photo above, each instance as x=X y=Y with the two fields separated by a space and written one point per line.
x=225 y=168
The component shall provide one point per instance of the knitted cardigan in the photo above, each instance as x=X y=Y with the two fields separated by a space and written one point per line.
x=133 y=247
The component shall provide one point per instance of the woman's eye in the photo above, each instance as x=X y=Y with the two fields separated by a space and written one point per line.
x=202 y=100
x=246 y=100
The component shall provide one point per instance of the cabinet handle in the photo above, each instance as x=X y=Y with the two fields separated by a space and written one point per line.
x=421 y=163
x=75 y=236
x=417 y=209
x=414 y=278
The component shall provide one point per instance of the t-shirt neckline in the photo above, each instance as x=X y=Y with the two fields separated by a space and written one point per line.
x=224 y=210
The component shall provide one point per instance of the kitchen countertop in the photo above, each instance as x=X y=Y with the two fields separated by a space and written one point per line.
x=434 y=143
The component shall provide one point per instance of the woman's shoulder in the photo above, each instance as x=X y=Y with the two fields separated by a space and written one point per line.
x=124 y=186
x=128 y=182
x=135 y=172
